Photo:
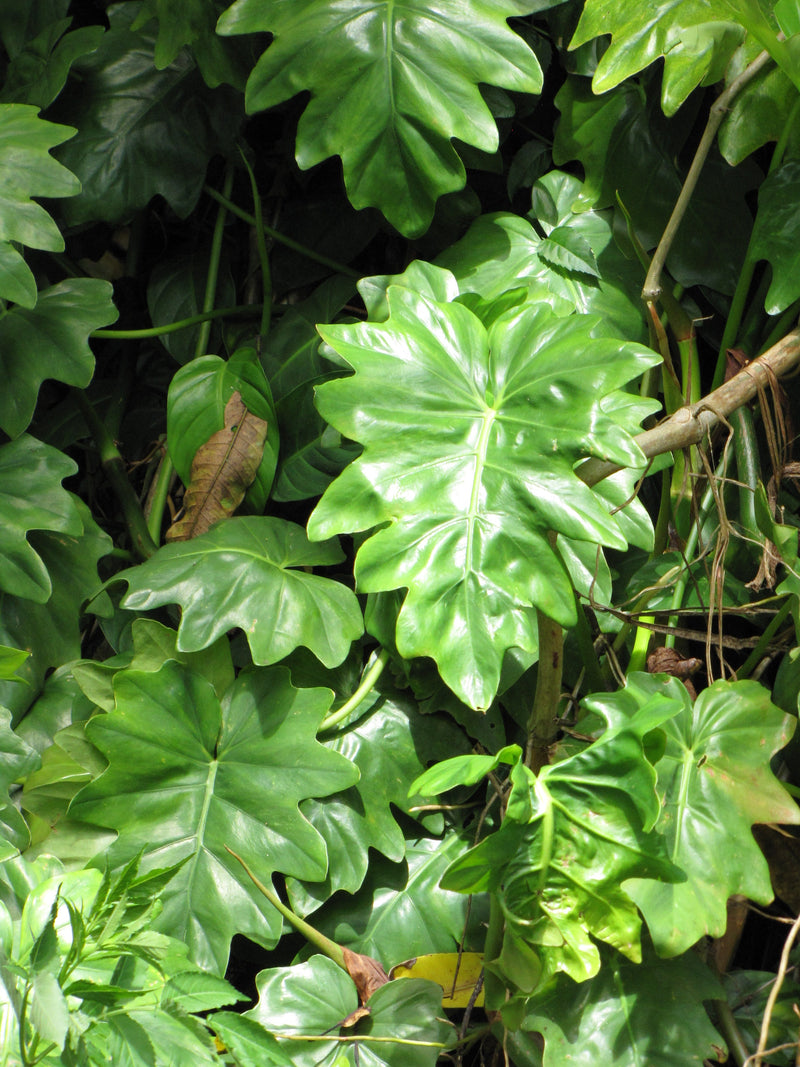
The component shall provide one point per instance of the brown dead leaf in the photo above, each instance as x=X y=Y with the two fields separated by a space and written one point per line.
x=222 y=469
x=360 y=1013
x=668 y=661
x=366 y=972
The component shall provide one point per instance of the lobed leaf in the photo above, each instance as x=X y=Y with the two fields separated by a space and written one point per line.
x=391 y=85
x=470 y=438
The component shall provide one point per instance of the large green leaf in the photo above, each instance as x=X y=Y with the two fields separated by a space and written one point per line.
x=570 y=839
x=759 y=113
x=391 y=84
x=38 y=71
x=143 y=131
x=196 y=409
x=400 y=911
x=17 y=759
x=649 y=1000
x=28 y=170
x=695 y=38
x=249 y=572
x=314 y=998
x=192 y=23
x=189 y=775
x=470 y=440
x=176 y=290
x=50 y=340
x=776 y=235
x=502 y=251
x=629 y=151
x=391 y=745
x=716 y=782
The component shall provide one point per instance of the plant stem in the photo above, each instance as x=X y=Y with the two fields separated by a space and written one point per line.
x=367 y=683
x=493 y=988
x=158 y=495
x=542 y=723
x=652 y=284
x=314 y=937
x=263 y=255
x=114 y=468
x=754 y=658
x=212 y=273
x=174 y=327
x=281 y=238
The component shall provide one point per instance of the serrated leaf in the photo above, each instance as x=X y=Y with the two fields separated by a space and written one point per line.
x=143 y=131
x=247 y=572
x=648 y=998
x=314 y=998
x=570 y=838
x=716 y=782
x=776 y=233
x=28 y=170
x=390 y=745
x=50 y=340
x=48 y=1011
x=390 y=87
x=566 y=247
x=188 y=776
x=196 y=403
x=492 y=424
x=195 y=991
x=695 y=38
x=249 y=1042
x=222 y=470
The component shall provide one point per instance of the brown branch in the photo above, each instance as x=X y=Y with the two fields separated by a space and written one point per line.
x=690 y=424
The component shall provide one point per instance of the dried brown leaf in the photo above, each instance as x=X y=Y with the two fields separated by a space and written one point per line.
x=222 y=470
x=366 y=972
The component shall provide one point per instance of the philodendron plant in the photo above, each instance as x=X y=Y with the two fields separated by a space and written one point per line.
x=360 y=582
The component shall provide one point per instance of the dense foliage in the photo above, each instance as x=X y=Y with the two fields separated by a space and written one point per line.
x=392 y=442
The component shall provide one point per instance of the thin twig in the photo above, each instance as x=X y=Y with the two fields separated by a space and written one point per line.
x=757 y=1058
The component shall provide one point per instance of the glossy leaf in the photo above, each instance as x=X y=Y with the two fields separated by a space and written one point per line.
x=192 y=23
x=27 y=170
x=776 y=234
x=501 y=252
x=247 y=572
x=492 y=424
x=17 y=759
x=314 y=998
x=400 y=911
x=50 y=340
x=759 y=113
x=716 y=782
x=222 y=470
x=648 y=999
x=250 y=1043
x=142 y=131
x=391 y=745
x=390 y=87
x=695 y=38
x=198 y=395
x=188 y=776
x=571 y=837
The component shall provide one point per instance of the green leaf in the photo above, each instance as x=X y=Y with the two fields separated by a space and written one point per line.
x=391 y=745
x=648 y=998
x=38 y=73
x=198 y=395
x=175 y=291
x=17 y=759
x=48 y=1011
x=28 y=170
x=629 y=152
x=11 y=659
x=716 y=782
x=314 y=998
x=571 y=837
x=776 y=234
x=492 y=424
x=194 y=991
x=400 y=911
x=50 y=340
x=695 y=38
x=142 y=131
x=238 y=574
x=391 y=85
x=32 y=498
x=188 y=776
x=759 y=113
x=500 y=252
x=566 y=247
x=192 y=23
x=249 y=1043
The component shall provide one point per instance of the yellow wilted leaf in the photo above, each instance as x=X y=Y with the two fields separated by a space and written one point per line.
x=446 y=968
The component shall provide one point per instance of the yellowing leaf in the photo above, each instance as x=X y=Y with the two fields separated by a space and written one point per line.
x=222 y=470
x=457 y=975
